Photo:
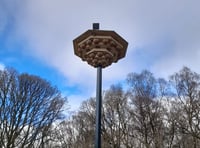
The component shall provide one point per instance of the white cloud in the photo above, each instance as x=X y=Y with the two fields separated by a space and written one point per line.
x=1 y=66
x=163 y=36
x=50 y=27
x=76 y=100
x=2 y=19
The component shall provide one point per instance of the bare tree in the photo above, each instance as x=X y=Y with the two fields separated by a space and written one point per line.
x=147 y=111
x=28 y=107
x=115 y=121
x=65 y=134
x=187 y=86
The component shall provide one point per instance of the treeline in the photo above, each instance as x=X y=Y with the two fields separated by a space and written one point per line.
x=149 y=113
x=152 y=113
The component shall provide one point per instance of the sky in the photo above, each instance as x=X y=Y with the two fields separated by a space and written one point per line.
x=36 y=37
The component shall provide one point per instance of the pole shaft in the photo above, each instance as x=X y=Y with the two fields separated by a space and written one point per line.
x=98 y=107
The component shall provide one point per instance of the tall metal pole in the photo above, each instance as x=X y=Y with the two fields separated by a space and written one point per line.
x=98 y=108
x=98 y=101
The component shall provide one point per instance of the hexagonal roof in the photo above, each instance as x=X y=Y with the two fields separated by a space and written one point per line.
x=100 y=47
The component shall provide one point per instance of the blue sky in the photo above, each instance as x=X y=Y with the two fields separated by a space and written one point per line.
x=36 y=37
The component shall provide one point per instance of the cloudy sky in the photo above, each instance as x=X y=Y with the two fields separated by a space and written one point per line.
x=36 y=37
